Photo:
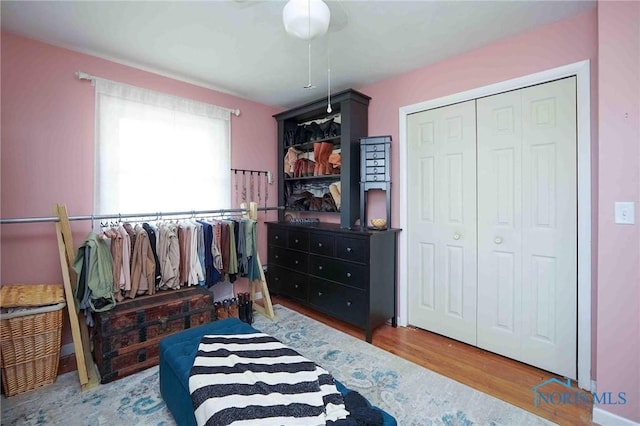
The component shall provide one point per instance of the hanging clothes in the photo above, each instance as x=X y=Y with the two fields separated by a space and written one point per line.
x=116 y=253
x=195 y=271
x=125 y=283
x=94 y=267
x=143 y=266
x=151 y=233
x=169 y=255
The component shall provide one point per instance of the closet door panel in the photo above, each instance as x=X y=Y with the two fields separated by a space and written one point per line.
x=527 y=225
x=550 y=226
x=500 y=223
x=442 y=219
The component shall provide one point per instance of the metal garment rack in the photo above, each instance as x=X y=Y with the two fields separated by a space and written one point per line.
x=120 y=216
x=87 y=372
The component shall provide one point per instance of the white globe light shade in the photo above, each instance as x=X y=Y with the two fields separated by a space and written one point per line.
x=306 y=19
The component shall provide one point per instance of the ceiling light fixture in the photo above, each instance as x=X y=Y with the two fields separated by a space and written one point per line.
x=306 y=19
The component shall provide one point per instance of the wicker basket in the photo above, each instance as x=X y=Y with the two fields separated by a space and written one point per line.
x=30 y=336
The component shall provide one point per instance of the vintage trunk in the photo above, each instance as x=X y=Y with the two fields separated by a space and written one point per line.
x=126 y=338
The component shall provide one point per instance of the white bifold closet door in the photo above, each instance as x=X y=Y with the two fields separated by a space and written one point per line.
x=527 y=225
x=442 y=217
x=492 y=223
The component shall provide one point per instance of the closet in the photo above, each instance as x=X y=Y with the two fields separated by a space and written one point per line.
x=492 y=214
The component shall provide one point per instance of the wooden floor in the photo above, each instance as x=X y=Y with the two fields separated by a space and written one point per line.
x=493 y=374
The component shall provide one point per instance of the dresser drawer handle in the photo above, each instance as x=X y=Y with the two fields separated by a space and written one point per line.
x=320 y=293
x=277 y=237
x=375 y=162
x=348 y=274
x=296 y=262
x=277 y=257
x=277 y=278
x=319 y=267
x=296 y=286
x=296 y=241
x=319 y=244
x=375 y=155
x=348 y=249
x=349 y=303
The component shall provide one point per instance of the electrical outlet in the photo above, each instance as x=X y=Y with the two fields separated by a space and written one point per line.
x=625 y=212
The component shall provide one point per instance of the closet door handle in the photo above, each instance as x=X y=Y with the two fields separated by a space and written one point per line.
x=348 y=249
x=277 y=237
x=320 y=293
x=277 y=257
x=319 y=244
x=349 y=303
x=296 y=262
x=498 y=240
x=456 y=236
x=296 y=241
x=296 y=286
x=348 y=274
x=319 y=267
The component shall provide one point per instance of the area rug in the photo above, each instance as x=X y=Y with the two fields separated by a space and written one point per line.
x=413 y=394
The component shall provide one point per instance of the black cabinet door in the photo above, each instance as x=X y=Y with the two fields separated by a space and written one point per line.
x=348 y=304
x=289 y=283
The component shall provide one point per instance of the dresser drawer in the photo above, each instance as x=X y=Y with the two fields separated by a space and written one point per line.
x=375 y=147
x=375 y=163
x=345 y=303
x=277 y=237
x=354 y=249
x=375 y=178
x=321 y=243
x=288 y=258
x=337 y=270
x=289 y=283
x=298 y=239
x=373 y=155
x=376 y=170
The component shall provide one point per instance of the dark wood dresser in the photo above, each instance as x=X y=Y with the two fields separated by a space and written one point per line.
x=347 y=274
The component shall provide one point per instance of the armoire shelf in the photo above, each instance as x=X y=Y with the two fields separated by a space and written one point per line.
x=352 y=109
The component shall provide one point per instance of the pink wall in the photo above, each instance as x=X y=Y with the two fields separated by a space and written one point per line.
x=47 y=145
x=619 y=245
x=552 y=46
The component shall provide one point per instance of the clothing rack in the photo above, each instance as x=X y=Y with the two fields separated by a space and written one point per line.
x=87 y=372
x=119 y=216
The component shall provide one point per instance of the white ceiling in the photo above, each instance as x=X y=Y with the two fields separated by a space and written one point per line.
x=240 y=46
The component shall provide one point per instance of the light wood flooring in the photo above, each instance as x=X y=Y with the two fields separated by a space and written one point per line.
x=493 y=374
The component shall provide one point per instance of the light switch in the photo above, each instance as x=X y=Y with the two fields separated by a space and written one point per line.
x=625 y=212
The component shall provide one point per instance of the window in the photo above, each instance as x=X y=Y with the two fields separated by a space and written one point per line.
x=159 y=153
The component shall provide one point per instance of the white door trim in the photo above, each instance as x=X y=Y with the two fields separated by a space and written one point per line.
x=582 y=72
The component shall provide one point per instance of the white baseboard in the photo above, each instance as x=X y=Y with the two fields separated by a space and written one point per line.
x=606 y=418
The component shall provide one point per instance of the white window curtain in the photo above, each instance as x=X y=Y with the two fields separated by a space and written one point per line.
x=159 y=153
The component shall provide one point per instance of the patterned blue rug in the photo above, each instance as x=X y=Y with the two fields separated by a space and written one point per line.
x=413 y=394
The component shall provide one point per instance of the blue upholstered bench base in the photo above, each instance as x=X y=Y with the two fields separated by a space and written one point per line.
x=177 y=353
